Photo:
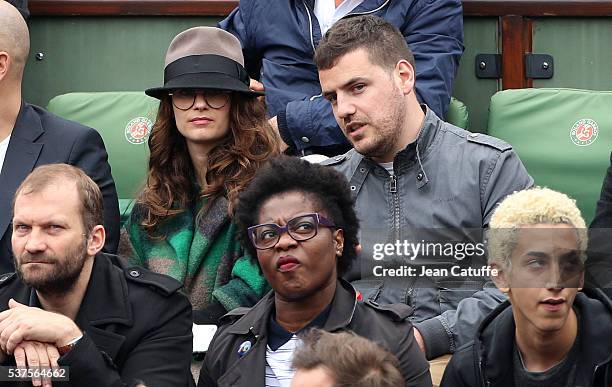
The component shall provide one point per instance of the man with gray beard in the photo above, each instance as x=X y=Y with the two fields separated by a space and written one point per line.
x=76 y=314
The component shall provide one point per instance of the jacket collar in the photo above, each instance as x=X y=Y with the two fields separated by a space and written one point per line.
x=343 y=306
x=495 y=338
x=406 y=158
x=21 y=156
x=367 y=6
x=425 y=139
x=342 y=309
x=27 y=126
x=106 y=301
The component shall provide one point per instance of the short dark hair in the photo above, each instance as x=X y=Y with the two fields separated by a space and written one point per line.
x=382 y=40
x=92 y=208
x=324 y=185
x=352 y=360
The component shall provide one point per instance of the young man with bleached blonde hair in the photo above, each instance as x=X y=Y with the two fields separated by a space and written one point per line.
x=549 y=332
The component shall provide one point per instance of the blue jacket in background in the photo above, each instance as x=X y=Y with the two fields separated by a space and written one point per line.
x=279 y=39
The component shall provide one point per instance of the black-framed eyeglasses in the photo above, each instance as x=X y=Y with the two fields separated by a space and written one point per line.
x=185 y=99
x=301 y=228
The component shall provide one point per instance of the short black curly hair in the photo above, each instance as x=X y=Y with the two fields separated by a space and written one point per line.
x=328 y=188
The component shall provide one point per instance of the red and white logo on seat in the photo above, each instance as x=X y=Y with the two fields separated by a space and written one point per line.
x=137 y=130
x=584 y=132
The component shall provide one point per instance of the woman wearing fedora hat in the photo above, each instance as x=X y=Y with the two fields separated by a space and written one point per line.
x=210 y=136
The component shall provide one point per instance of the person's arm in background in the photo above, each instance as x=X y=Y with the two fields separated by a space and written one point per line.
x=599 y=261
x=236 y=25
x=434 y=33
x=445 y=333
x=603 y=214
x=502 y=175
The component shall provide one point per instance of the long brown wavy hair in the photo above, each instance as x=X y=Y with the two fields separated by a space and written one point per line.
x=170 y=187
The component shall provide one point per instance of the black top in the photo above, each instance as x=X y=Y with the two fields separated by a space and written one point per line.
x=562 y=374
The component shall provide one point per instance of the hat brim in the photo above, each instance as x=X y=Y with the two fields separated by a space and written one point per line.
x=217 y=81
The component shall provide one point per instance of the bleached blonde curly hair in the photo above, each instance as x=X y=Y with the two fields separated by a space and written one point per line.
x=533 y=206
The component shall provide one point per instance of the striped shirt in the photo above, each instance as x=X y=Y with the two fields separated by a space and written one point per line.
x=279 y=371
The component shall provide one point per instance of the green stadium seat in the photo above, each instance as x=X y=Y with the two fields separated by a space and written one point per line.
x=124 y=120
x=563 y=136
x=457 y=114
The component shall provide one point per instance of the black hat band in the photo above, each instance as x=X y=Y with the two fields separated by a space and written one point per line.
x=208 y=63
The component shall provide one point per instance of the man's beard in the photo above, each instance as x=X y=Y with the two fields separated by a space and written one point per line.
x=62 y=274
x=390 y=129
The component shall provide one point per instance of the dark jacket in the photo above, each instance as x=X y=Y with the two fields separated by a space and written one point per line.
x=487 y=361
x=447 y=193
x=22 y=6
x=387 y=326
x=603 y=214
x=279 y=39
x=40 y=138
x=599 y=264
x=136 y=325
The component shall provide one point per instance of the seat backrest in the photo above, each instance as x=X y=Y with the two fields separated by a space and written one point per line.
x=124 y=120
x=563 y=137
x=457 y=114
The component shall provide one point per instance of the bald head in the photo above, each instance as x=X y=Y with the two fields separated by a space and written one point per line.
x=14 y=40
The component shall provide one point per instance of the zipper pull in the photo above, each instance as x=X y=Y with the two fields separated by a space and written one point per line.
x=393 y=188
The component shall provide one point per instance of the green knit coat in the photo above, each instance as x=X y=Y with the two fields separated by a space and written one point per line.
x=206 y=257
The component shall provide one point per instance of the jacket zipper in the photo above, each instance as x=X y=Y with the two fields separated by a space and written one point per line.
x=395 y=196
x=310 y=24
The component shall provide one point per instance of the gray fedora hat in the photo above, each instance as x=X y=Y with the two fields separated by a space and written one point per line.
x=204 y=58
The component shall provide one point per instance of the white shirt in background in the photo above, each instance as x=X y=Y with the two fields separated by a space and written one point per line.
x=327 y=13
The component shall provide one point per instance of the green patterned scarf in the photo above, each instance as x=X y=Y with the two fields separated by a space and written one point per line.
x=206 y=258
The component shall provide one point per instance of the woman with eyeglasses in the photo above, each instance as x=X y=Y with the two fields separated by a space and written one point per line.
x=209 y=138
x=298 y=220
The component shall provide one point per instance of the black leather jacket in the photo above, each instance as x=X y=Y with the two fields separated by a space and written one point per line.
x=386 y=325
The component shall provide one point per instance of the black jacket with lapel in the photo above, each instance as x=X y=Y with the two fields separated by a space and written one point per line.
x=40 y=138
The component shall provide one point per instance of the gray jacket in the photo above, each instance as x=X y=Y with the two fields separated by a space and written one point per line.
x=446 y=191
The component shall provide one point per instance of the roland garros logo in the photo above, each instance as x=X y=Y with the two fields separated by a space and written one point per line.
x=584 y=132
x=137 y=130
